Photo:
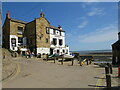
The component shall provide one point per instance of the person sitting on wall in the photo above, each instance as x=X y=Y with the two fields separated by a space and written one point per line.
x=27 y=54
x=38 y=55
x=32 y=55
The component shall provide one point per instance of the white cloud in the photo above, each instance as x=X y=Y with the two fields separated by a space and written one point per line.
x=81 y=18
x=85 y=4
x=83 y=24
x=100 y=35
x=68 y=35
x=96 y=11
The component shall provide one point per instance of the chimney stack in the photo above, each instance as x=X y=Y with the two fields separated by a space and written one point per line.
x=8 y=14
x=59 y=27
x=42 y=14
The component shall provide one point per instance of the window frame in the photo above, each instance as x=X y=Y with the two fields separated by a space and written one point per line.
x=54 y=43
x=13 y=43
x=60 y=42
x=47 y=30
x=20 y=30
x=47 y=40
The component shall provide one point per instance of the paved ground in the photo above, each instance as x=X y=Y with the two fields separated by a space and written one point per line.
x=115 y=80
x=35 y=73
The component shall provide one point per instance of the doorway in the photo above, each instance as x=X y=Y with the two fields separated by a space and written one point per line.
x=51 y=51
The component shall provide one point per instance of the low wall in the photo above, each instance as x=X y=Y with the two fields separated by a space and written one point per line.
x=8 y=66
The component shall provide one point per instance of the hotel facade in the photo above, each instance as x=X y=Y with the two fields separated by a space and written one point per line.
x=37 y=36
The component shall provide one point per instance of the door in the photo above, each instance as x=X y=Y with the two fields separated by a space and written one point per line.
x=51 y=51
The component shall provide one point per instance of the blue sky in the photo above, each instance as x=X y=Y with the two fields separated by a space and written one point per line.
x=88 y=25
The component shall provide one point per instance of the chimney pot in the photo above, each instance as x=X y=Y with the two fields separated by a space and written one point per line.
x=8 y=14
x=42 y=14
x=59 y=27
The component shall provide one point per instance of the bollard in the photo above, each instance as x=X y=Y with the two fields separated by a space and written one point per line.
x=46 y=57
x=106 y=70
x=15 y=55
x=111 y=69
x=90 y=61
x=72 y=62
x=79 y=59
x=87 y=61
x=108 y=81
x=108 y=64
x=62 y=61
x=54 y=60
x=119 y=71
x=80 y=63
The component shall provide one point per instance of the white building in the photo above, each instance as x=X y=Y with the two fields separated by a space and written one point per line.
x=57 y=41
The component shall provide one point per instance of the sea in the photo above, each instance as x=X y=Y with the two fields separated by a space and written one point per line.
x=92 y=51
x=98 y=59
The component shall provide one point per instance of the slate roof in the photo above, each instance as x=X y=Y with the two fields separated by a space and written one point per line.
x=53 y=27
x=117 y=43
x=19 y=21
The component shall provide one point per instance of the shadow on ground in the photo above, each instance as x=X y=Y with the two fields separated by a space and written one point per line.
x=96 y=86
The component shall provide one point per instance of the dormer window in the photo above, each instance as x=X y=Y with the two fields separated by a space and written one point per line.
x=20 y=30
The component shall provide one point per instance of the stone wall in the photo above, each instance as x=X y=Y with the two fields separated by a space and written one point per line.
x=14 y=28
x=41 y=35
x=8 y=66
x=30 y=34
x=6 y=33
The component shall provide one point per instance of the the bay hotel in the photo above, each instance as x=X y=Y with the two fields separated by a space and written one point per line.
x=38 y=36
